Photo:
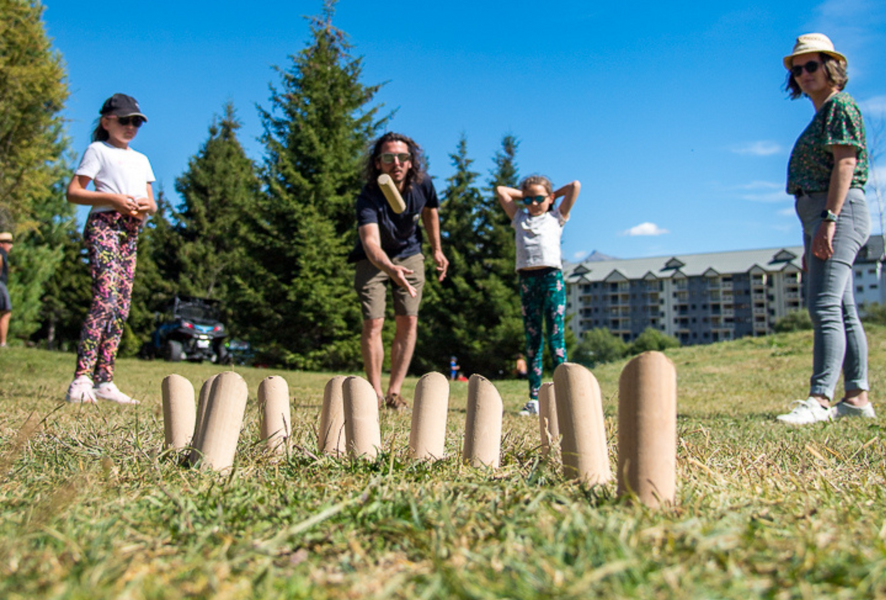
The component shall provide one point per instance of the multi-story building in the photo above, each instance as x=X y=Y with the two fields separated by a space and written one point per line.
x=869 y=275
x=697 y=298
x=703 y=298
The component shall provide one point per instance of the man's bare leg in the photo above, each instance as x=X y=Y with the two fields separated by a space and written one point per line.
x=373 y=351
x=4 y=326
x=401 y=351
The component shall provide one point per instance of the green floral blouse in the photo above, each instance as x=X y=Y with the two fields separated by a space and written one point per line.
x=837 y=122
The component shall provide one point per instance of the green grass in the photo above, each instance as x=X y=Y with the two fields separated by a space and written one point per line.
x=90 y=506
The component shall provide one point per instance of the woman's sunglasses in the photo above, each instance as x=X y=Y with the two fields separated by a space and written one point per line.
x=811 y=67
x=527 y=200
x=135 y=121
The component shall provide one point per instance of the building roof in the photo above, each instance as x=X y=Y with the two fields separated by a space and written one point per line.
x=709 y=264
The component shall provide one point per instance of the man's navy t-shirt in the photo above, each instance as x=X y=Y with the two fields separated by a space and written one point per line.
x=400 y=234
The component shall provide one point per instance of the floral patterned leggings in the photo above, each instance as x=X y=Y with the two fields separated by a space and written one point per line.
x=543 y=298
x=111 y=239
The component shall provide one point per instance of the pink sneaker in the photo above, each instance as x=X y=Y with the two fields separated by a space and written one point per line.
x=80 y=390
x=109 y=391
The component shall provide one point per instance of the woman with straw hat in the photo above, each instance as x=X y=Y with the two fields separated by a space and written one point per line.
x=826 y=173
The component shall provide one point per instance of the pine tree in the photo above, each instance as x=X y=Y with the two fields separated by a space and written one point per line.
x=32 y=94
x=38 y=255
x=219 y=196
x=317 y=130
x=67 y=293
x=470 y=315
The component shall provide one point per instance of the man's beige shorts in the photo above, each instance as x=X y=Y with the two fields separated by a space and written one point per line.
x=371 y=284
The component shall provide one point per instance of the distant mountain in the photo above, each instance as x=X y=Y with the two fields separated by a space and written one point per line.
x=597 y=257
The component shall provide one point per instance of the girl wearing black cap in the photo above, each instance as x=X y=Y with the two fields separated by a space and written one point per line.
x=121 y=200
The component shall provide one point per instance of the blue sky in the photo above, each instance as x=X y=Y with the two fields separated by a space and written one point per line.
x=672 y=115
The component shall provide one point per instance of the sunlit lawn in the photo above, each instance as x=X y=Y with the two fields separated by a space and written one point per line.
x=90 y=506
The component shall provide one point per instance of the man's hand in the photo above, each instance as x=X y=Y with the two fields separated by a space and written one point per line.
x=398 y=274
x=442 y=264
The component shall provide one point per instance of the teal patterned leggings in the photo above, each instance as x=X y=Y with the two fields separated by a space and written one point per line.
x=111 y=239
x=543 y=299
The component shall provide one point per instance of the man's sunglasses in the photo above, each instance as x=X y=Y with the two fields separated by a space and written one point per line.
x=388 y=157
x=527 y=200
x=811 y=67
x=135 y=121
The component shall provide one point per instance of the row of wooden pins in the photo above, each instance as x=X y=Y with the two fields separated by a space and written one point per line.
x=211 y=428
x=571 y=410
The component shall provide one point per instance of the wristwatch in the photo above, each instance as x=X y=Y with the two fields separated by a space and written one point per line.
x=827 y=215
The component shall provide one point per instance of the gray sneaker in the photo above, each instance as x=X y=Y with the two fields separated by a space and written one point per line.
x=530 y=409
x=841 y=409
x=805 y=412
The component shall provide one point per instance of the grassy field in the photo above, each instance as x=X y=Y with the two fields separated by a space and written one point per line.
x=90 y=507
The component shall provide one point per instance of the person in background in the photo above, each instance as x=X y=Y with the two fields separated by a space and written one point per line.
x=538 y=224
x=453 y=368
x=121 y=201
x=520 y=369
x=827 y=172
x=5 y=302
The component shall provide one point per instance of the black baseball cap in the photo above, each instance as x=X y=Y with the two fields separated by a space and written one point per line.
x=121 y=105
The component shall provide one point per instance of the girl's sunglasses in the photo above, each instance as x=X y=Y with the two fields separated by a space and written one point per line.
x=811 y=67
x=527 y=200
x=135 y=121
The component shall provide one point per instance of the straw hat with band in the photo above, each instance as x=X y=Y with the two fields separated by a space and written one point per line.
x=813 y=42
x=6 y=237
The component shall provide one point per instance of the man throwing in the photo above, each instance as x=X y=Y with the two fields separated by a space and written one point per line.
x=389 y=249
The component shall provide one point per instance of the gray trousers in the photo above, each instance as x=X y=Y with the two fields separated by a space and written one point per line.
x=839 y=341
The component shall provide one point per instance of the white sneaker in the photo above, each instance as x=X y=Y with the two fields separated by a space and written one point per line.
x=530 y=409
x=80 y=390
x=841 y=409
x=805 y=412
x=109 y=391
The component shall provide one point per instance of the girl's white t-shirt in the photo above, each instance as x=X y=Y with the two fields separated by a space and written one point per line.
x=538 y=239
x=116 y=171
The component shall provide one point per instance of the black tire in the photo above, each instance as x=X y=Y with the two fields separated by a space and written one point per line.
x=223 y=357
x=173 y=351
x=147 y=351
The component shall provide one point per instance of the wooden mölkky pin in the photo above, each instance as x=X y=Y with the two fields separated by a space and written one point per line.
x=202 y=403
x=547 y=417
x=647 y=429
x=482 y=447
x=276 y=423
x=179 y=412
x=583 y=430
x=427 y=436
x=362 y=431
x=332 y=419
x=223 y=418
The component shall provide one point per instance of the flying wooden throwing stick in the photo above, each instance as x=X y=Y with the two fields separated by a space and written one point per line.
x=647 y=429
x=389 y=189
x=179 y=411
